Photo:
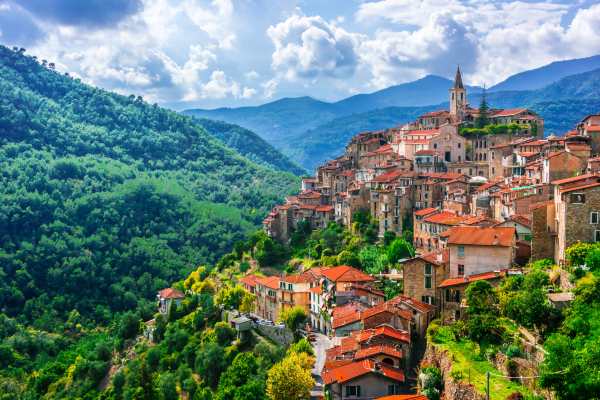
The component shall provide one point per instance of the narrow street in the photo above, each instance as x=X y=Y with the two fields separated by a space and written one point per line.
x=320 y=346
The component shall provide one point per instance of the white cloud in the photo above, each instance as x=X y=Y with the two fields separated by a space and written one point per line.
x=270 y=88
x=214 y=20
x=309 y=47
x=491 y=40
x=252 y=75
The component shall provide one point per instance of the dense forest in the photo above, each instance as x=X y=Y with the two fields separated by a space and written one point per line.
x=104 y=198
x=250 y=145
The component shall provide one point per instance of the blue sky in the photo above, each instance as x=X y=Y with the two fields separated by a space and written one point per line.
x=188 y=53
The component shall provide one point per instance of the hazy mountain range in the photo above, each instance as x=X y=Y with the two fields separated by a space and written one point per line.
x=310 y=131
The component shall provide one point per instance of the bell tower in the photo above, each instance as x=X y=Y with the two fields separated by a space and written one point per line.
x=458 y=96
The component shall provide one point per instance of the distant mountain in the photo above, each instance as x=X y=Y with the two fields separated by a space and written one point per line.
x=310 y=131
x=326 y=141
x=431 y=89
x=543 y=76
x=250 y=145
x=276 y=121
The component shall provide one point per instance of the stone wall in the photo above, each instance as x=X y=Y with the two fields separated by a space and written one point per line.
x=542 y=242
x=277 y=333
x=453 y=390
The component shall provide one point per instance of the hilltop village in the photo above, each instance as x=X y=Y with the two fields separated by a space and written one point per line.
x=483 y=193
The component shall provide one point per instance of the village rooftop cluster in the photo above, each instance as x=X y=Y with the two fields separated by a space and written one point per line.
x=481 y=203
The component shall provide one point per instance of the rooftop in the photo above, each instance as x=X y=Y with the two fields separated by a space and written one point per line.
x=346 y=273
x=472 y=278
x=481 y=236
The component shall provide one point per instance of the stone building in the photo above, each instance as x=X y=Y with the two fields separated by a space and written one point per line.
x=423 y=274
x=577 y=208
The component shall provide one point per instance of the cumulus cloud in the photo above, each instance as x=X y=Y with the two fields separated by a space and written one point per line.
x=88 y=13
x=213 y=20
x=309 y=47
x=491 y=40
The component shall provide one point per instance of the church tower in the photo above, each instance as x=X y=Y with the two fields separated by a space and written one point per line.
x=458 y=97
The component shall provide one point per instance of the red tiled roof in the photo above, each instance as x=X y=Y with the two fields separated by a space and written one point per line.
x=435 y=114
x=170 y=293
x=403 y=397
x=426 y=132
x=480 y=236
x=573 y=179
x=324 y=208
x=412 y=303
x=271 y=282
x=444 y=218
x=249 y=280
x=593 y=128
x=472 y=278
x=346 y=273
x=359 y=368
x=309 y=194
x=388 y=176
x=433 y=258
x=383 y=330
x=580 y=187
x=425 y=211
x=301 y=278
x=386 y=148
x=425 y=152
x=509 y=112
x=316 y=289
x=371 y=351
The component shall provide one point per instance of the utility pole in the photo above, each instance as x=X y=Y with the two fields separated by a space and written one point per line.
x=487 y=390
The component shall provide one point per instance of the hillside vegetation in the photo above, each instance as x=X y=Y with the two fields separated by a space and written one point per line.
x=250 y=145
x=104 y=198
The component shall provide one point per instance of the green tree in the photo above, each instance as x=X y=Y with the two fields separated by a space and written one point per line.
x=294 y=318
x=398 y=250
x=224 y=332
x=290 y=378
x=482 y=119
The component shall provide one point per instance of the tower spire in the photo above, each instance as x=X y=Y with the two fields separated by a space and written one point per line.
x=458 y=84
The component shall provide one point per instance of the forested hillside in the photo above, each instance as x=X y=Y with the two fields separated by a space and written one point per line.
x=250 y=145
x=104 y=198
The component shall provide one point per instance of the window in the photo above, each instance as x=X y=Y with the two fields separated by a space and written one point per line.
x=435 y=145
x=594 y=217
x=577 y=198
x=428 y=300
x=448 y=295
x=597 y=236
x=461 y=251
x=290 y=286
x=353 y=391
x=461 y=270
x=459 y=145
x=427 y=273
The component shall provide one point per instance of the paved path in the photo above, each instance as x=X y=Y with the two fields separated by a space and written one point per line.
x=320 y=345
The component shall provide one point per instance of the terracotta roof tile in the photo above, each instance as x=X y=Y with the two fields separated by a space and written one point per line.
x=249 y=280
x=359 y=368
x=346 y=273
x=472 y=278
x=170 y=293
x=481 y=236
x=425 y=211
x=271 y=282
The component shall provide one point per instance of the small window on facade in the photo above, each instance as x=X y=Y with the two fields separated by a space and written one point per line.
x=594 y=217
x=427 y=274
x=289 y=286
x=597 y=236
x=461 y=251
x=461 y=270
x=352 y=390
x=577 y=198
